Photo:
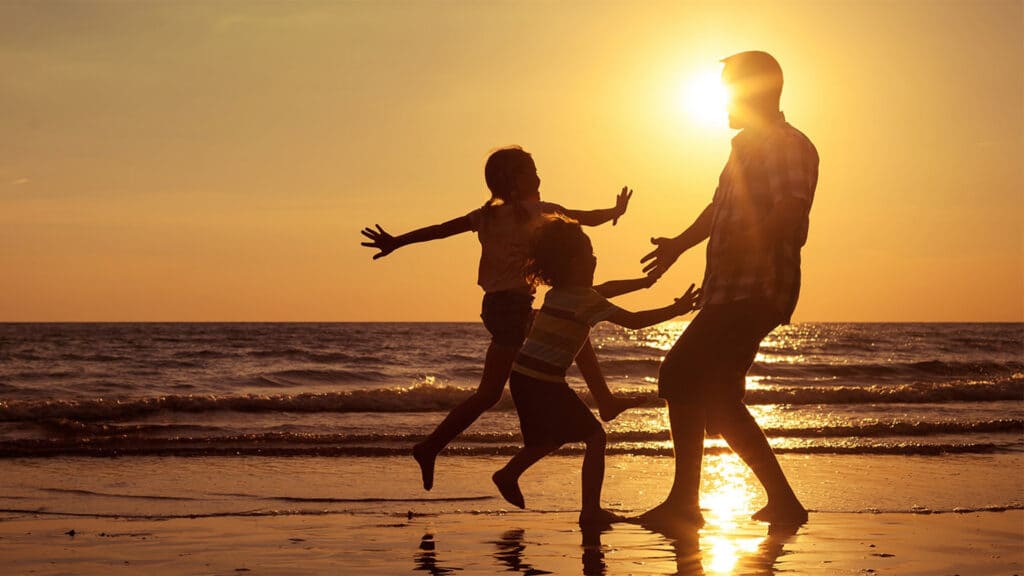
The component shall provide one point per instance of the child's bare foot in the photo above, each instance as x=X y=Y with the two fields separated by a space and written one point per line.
x=618 y=405
x=788 y=514
x=508 y=486
x=425 y=458
x=599 y=517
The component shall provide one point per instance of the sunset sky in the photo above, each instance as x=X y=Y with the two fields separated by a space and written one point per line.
x=190 y=161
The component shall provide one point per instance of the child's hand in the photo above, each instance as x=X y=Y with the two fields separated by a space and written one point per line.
x=380 y=240
x=648 y=281
x=688 y=302
x=621 y=202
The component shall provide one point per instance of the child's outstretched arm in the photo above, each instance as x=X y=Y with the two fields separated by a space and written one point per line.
x=636 y=320
x=387 y=243
x=598 y=217
x=614 y=288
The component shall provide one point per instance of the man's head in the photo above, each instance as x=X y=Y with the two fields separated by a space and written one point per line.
x=754 y=80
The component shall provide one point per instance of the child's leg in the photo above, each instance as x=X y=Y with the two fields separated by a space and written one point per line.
x=507 y=479
x=608 y=405
x=593 y=478
x=497 y=367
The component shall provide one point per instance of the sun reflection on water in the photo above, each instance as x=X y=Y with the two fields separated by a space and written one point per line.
x=727 y=497
x=662 y=336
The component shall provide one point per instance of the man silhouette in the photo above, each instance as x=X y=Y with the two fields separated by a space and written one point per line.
x=755 y=227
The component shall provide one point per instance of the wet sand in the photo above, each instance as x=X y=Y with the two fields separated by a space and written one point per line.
x=870 y=516
x=523 y=542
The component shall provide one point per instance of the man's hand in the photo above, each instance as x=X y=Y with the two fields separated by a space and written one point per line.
x=380 y=240
x=661 y=258
x=621 y=202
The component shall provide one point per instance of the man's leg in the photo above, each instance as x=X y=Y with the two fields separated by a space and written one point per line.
x=679 y=382
x=746 y=438
x=683 y=503
x=497 y=367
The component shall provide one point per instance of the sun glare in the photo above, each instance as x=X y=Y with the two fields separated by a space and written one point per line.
x=705 y=99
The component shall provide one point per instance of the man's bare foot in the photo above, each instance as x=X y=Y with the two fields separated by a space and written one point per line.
x=425 y=458
x=617 y=405
x=669 y=515
x=789 y=514
x=599 y=517
x=508 y=486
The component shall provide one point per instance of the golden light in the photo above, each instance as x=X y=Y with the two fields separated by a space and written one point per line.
x=705 y=99
x=727 y=499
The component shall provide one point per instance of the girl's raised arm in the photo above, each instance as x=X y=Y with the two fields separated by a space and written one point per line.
x=387 y=243
x=636 y=320
x=614 y=288
x=598 y=217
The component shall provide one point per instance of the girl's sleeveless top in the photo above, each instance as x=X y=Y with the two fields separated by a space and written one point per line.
x=504 y=233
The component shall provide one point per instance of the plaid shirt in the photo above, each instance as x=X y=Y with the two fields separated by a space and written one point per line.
x=744 y=259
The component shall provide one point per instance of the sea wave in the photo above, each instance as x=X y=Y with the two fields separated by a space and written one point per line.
x=301 y=377
x=427 y=398
x=924 y=369
x=240 y=446
x=198 y=432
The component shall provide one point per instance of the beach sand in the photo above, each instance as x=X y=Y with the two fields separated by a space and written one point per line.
x=368 y=516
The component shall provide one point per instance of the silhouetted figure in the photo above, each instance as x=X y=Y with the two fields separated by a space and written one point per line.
x=755 y=227
x=503 y=226
x=550 y=413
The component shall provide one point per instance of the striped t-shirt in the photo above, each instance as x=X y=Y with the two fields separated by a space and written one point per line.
x=559 y=331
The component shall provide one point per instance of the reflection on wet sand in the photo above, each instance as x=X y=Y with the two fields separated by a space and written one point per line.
x=510 y=553
x=426 y=559
x=722 y=547
x=593 y=551
x=729 y=544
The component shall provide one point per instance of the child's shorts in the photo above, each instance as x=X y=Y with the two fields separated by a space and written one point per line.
x=507 y=315
x=550 y=413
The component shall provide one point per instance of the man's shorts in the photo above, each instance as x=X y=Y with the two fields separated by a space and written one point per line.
x=508 y=315
x=709 y=362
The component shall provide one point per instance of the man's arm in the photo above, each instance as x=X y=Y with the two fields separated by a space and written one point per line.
x=598 y=217
x=386 y=243
x=669 y=249
x=615 y=288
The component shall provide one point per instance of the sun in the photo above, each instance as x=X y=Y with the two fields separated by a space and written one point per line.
x=705 y=99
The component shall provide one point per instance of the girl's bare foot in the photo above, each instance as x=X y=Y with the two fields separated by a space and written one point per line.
x=617 y=405
x=425 y=458
x=788 y=514
x=599 y=517
x=508 y=486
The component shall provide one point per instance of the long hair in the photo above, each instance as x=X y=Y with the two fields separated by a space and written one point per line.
x=553 y=246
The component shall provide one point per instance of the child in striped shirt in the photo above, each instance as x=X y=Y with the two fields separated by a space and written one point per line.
x=550 y=413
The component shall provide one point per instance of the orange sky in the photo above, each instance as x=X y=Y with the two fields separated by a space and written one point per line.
x=215 y=161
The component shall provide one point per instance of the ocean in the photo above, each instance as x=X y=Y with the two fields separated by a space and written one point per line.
x=319 y=401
